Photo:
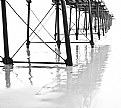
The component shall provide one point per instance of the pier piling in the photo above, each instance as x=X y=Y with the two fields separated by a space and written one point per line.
x=6 y=59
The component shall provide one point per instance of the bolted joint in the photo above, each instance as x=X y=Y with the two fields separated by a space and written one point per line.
x=7 y=60
x=27 y=44
x=68 y=62
x=58 y=42
x=77 y=35
x=92 y=44
x=29 y=1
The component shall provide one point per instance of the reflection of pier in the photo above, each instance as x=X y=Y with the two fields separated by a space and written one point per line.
x=77 y=86
x=74 y=85
x=96 y=18
x=7 y=75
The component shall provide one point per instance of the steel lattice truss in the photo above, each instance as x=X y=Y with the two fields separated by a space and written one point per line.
x=96 y=21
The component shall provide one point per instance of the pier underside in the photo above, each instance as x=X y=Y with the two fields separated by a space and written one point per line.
x=79 y=21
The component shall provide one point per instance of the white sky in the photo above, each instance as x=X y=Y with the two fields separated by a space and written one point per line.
x=114 y=7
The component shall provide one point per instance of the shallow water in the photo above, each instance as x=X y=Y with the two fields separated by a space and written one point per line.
x=56 y=86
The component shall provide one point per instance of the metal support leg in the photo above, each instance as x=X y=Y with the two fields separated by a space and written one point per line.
x=57 y=25
x=55 y=29
x=70 y=20
x=76 y=24
x=6 y=59
x=95 y=24
x=103 y=26
x=86 y=22
x=28 y=23
x=98 y=19
x=67 y=39
x=90 y=21
x=105 y=22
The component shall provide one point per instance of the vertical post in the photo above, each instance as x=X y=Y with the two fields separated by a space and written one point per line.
x=70 y=20
x=76 y=24
x=95 y=23
x=103 y=27
x=57 y=25
x=106 y=21
x=78 y=21
x=86 y=22
x=109 y=21
x=90 y=21
x=103 y=22
x=55 y=28
x=67 y=39
x=98 y=12
x=6 y=59
x=28 y=23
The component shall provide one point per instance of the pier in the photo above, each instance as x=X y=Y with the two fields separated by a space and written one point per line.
x=60 y=54
x=96 y=22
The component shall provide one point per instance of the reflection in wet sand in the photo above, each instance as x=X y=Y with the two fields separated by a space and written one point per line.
x=7 y=75
x=28 y=54
x=77 y=88
x=69 y=87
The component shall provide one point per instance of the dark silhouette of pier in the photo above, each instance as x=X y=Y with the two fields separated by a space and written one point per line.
x=97 y=20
